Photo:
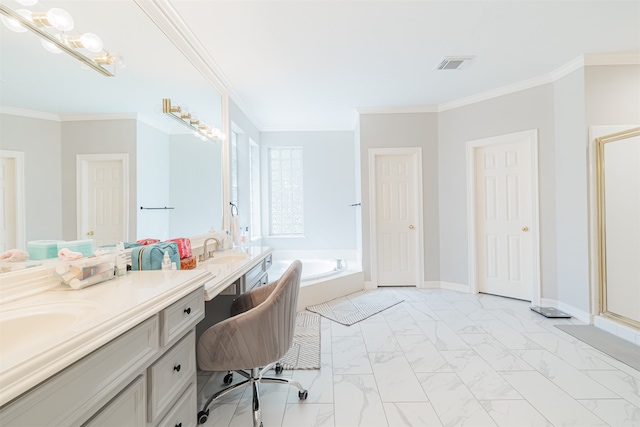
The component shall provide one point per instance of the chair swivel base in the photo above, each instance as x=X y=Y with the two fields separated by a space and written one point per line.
x=253 y=379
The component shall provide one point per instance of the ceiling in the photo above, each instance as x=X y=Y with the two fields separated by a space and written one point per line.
x=296 y=65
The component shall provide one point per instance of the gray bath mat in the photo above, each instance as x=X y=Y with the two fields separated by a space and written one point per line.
x=355 y=307
x=614 y=346
x=305 y=351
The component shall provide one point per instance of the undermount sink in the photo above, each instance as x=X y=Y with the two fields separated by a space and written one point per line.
x=224 y=259
x=25 y=326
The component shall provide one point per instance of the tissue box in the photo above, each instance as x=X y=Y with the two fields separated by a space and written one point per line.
x=43 y=249
x=86 y=271
x=85 y=247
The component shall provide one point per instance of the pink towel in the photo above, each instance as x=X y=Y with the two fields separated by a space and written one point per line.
x=66 y=254
x=14 y=255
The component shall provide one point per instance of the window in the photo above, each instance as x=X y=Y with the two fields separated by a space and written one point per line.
x=234 y=168
x=254 y=188
x=285 y=191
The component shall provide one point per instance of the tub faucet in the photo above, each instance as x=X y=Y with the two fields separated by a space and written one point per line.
x=205 y=255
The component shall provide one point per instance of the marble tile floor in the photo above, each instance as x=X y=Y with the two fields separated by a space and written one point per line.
x=444 y=358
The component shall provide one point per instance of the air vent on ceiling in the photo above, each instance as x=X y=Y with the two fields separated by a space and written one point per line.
x=454 y=62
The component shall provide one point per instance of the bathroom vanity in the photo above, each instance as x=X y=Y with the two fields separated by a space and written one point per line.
x=121 y=352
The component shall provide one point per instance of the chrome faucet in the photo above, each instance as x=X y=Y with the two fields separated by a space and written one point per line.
x=206 y=255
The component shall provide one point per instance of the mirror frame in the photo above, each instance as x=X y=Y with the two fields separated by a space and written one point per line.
x=600 y=143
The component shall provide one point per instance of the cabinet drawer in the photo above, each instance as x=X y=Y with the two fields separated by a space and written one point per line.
x=184 y=412
x=126 y=409
x=72 y=396
x=169 y=376
x=253 y=275
x=181 y=316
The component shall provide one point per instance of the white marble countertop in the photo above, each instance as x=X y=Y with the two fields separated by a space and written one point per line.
x=95 y=315
x=99 y=313
x=225 y=273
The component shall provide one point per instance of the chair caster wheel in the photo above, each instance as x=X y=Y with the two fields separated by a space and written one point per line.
x=228 y=379
x=302 y=395
x=202 y=416
x=279 y=368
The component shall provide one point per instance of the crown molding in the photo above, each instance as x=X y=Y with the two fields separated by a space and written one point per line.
x=612 y=59
x=99 y=116
x=494 y=93
x=313 y=128
x=169 y=21
x=568 y=68
x=29 y=113
x=398 y=110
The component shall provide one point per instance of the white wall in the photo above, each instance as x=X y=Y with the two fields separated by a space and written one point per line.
x=524 y=110
x=572 y=222
x=395 y=131
x=40 y=142
x=96 y=137
x=329 y=189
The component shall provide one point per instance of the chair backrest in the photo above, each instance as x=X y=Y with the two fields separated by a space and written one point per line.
x=257 y=337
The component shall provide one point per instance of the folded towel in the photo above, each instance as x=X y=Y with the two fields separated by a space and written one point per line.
x=14 y=255
x=235 y=230
x=66 y=254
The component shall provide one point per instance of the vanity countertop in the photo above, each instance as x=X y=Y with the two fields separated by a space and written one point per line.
x=227 y=266
x=42 y=334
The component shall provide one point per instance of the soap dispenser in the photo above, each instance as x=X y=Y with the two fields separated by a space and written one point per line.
x=166 y=261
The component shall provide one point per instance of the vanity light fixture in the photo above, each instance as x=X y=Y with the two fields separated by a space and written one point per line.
x=54 y=26
x=199 y=128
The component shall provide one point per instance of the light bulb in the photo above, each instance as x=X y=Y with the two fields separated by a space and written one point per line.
x=50 y=46
x=91 y=42
x=60 y=19
x=27 y=2
x=15 y=25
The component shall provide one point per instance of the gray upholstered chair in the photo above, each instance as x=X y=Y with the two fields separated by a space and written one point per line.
x=254 y=339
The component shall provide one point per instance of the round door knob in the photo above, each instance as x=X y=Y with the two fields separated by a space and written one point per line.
x=525 y=228
x=90 y=233
x=411 y=227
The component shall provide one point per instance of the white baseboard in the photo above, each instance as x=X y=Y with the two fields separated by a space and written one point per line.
x=454 y=287
x=618 y=329
x=581 y=315
x=431 y=284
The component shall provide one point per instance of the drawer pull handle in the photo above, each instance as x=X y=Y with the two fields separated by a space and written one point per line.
x=179 y=425
x=187 y=310
x=176 y=368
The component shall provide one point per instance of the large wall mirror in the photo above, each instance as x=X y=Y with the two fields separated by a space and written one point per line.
x=60 y=120
x=618 y=210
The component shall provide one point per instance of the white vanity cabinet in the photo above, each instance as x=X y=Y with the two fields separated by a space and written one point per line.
x=144 y=377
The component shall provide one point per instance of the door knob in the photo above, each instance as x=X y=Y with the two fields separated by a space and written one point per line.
x=525 y=228
x=411 y=227
x=90 y=233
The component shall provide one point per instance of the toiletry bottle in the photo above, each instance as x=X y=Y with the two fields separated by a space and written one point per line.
x=121 y=260
x=243 y=236
x=166 y=261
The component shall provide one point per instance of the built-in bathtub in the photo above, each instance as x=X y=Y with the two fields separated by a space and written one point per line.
x=325 y=274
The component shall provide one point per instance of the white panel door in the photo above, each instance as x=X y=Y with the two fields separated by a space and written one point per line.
x=105 y=222
x=8 y=222
x=504 y=218
x=396 y=221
